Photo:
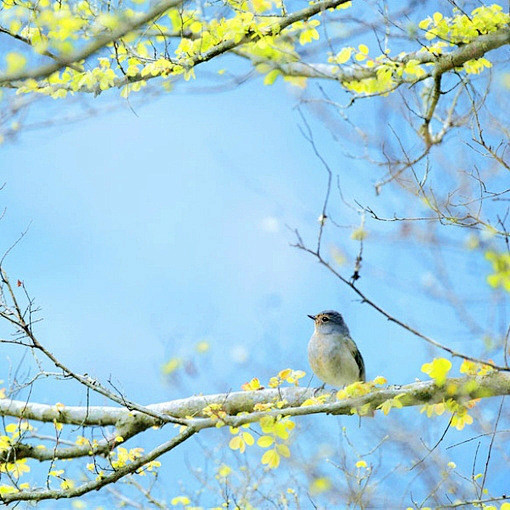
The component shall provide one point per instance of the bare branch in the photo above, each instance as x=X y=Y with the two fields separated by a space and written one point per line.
x=100 y=481
x=390 y=317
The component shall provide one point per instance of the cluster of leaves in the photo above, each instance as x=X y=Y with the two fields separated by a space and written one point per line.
x=122 y=457
x=390 y=71
x=63 y=29
x=386 y=72
x=358 y=389
x=460 y=417
x=461 y=28
x=275 y=430
x=175 y=41
x=500 y=278
x=14 y=433
x=438 y=370
x=286 y=375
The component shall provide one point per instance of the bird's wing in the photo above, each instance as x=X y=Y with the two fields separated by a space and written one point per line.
x=358 y=358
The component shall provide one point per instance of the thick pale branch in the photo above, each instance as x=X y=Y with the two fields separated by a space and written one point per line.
x=345 y=74
x=443 y=63
x=494 y=384
x=475 y=49
x=424 y=392
x=129 y=423
x=81 y=416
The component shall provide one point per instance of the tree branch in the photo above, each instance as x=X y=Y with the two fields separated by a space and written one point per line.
x=461 y=389
x=156 y=11
x=390 y=317
x=417 y=393
x=100 y=481
x=444 y=63
x=97 y=43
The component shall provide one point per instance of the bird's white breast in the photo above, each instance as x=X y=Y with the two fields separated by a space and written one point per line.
x=331 y=359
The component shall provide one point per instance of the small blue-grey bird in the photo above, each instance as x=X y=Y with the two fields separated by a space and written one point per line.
x=332 y=353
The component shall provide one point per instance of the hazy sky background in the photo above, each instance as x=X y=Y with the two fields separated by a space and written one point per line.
x=152 y=232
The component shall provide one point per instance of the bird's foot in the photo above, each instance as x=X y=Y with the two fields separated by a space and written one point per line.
x=319 y=389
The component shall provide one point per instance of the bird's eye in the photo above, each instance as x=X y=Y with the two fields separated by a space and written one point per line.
x=325 y=319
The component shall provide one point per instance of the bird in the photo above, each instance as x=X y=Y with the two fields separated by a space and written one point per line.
x=333 y=355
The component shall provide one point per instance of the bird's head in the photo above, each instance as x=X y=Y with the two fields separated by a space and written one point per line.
x=329 y=322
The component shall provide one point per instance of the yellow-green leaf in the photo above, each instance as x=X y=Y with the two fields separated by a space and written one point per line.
x=438 y=370
x=271 y=458
x=265 y=441
x=15 y=62
x=271 y=77
x=343 y=55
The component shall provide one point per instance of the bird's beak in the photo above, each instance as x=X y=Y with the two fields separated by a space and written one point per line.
x=312 y=317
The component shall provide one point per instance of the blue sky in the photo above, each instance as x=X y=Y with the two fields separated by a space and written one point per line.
x=149 y=232
x=152 y=232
